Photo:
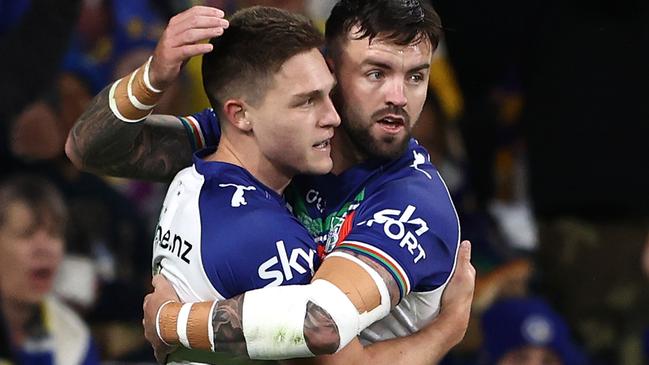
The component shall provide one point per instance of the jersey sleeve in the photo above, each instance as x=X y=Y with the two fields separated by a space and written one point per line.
x=203 y=129
x=411 y=229
x=253 y=246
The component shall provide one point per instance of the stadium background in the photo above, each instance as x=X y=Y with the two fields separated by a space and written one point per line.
x=537 y=118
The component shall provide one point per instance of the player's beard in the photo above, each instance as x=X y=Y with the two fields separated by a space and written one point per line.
x=385 y=147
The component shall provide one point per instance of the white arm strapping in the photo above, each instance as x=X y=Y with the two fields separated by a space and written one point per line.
x=273 y=323
x=273 y=318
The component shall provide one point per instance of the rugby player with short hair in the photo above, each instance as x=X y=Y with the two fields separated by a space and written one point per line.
x=389 y=246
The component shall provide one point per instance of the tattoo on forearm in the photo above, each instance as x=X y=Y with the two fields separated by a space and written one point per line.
x=228 y=328
x=156 y=148
x=320 y=330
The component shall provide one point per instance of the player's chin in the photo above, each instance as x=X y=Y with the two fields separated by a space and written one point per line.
x=319 y=165
x=390 y=147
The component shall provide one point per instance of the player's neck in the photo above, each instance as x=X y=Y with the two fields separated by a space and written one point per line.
x=244 y=153
x=344 y=153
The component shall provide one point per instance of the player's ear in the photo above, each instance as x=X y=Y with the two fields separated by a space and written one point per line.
x=236 y=112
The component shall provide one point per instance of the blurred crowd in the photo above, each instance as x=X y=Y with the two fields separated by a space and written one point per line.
x=536 y=118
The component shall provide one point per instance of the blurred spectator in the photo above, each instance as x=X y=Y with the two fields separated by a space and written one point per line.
x=526 y=331
x=35 y=34
x=42 y=330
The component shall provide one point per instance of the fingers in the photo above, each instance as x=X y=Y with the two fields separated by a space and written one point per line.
x=196 y=49
x=199 y=22
x=183 y=40
x=197 y=11
x=465 y=251
x=156 y=281
x=192 y=36
x=464 y=256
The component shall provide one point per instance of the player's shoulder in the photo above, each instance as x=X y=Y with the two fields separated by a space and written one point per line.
x=413 y=187
x=233 y=194
x=415 y=167
x=202 y=128
x=413 y=178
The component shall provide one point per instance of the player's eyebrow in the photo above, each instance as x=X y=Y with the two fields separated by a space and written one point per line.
x=423 y=66
x=385 y=65
x=308 y=94
x=316 y=92
x=376 y=63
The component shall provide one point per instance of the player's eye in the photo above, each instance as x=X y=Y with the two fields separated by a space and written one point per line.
x=416 y=78
x=308 y=101
x=374 y=75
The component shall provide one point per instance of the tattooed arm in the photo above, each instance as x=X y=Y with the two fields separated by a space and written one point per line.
x=320 y=331
x=426 y=346
x=157 y=147
x=350 y=288
x=153 y=149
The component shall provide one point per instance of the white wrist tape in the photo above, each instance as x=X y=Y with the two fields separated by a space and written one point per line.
x=157 y=321
x=181 y=324
x=136 y=103
x=147 y=81
x=132 y=98
x=113 y=105
x=210 y=327
x=273 y=318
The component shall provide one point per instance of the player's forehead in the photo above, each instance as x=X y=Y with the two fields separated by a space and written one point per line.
x=303 y=73
x=384 y=48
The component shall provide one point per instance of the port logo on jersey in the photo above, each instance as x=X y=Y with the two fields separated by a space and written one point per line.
x=402 y=227
x=280 y=267
x=237 y=198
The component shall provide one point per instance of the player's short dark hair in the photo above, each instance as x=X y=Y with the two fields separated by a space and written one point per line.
x=403 y=22
x=46 y=204
x=252 y=49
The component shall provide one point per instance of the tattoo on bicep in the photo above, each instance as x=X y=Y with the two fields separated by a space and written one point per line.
x=228 y=326
x=320 y=330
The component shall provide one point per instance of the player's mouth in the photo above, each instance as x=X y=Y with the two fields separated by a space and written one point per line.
x=392 y=124
x=323 y=145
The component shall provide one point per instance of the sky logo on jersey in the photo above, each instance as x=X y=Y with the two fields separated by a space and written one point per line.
x=237 y=198
x=280 y=267
x=394 y=226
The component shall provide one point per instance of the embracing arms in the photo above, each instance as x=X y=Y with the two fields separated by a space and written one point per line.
x=259 y=328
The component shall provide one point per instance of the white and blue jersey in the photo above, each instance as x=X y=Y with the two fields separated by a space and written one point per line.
x=222 y=232
x=398 y=213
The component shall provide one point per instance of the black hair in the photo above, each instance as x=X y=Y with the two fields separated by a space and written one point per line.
x=401 y=21
x=254 y=47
